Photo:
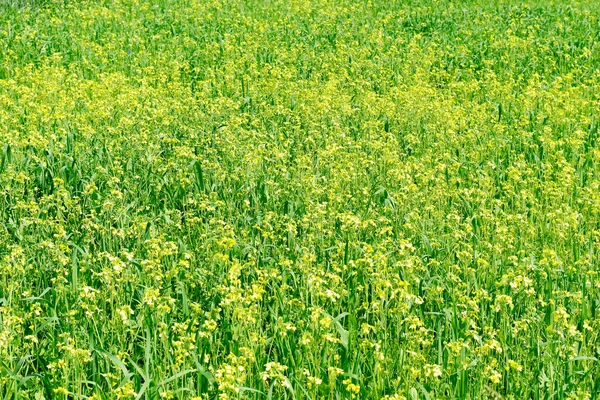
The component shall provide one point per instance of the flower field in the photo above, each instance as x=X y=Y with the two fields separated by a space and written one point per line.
x=299 y=199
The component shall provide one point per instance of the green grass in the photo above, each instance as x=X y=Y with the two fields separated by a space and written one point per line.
x=304 y=199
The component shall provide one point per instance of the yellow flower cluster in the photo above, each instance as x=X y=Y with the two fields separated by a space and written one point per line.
x=299 y=199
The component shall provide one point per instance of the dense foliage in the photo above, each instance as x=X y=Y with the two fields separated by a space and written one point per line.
x=301 y=199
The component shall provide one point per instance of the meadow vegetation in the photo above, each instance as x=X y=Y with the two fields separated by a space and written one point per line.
x=299 y=199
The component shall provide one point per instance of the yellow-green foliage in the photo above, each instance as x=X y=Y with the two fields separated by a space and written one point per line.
x=301 y=199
